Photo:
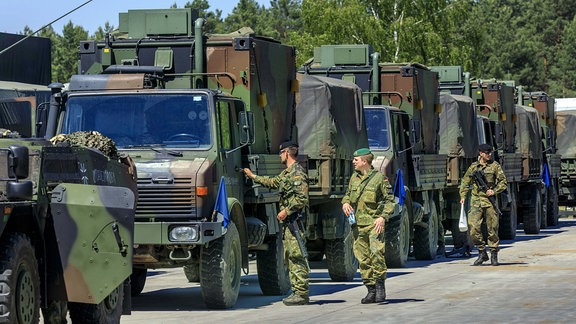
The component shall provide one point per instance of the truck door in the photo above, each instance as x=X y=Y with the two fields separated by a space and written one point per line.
x=227 y=112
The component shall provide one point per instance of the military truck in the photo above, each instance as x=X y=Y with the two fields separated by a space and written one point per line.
x=192 y=109
x=551 y=168
x=331 y=126
x=566 y=136
x=495 y=116
x=67 y=233
x=403 y=135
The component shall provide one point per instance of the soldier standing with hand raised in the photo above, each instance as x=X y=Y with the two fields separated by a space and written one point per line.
x=369 y=197
x=292 y=182
x=481 y=206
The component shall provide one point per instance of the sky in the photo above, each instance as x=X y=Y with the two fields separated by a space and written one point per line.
x=15 y=15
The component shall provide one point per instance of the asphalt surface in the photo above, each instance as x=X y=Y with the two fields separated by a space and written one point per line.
x=535 y=283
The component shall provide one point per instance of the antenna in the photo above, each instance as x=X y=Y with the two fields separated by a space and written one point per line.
x=48 y=24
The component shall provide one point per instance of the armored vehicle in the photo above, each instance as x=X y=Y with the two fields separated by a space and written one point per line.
x=193 y=110
x=67 y=233
x=401 y=108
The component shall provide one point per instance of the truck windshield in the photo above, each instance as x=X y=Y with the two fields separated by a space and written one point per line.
x=377 y=128
x=140 y=120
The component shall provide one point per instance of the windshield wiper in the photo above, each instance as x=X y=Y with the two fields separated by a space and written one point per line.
x=155 y=148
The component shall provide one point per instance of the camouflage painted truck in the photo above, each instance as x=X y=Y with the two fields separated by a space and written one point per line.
x=494 y=110
x=551 y=167
x=331 y=126
x=192 y=109
x=66 y=236
x=403 y=135
x=566 y=141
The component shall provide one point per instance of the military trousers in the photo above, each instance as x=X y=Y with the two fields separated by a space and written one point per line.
x=476 y=217
x=369 y=251
x=298 y=268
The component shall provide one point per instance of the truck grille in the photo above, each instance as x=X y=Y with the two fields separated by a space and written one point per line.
x=172 y=200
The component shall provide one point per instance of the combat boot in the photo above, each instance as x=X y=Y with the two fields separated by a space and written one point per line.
x=371 y=296
x=482 y=256
x=380 y=291
x=296 y=299
x=494 y=258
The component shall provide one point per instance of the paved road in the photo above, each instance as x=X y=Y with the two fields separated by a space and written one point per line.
x=536 y=283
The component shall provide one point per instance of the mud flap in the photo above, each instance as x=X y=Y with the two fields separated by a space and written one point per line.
x=94 y=226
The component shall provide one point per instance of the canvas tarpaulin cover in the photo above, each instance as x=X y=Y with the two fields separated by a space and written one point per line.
x=330 y=118
x=566 y=133
x=528 y=140
x=458 y=126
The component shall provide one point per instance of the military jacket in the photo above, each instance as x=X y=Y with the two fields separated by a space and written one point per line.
x=292 y=183
x=495 y=178
x=370 y=195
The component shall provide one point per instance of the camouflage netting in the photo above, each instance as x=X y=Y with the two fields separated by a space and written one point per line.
x=566 y=133
x=330 y=118
x=528 y=139
x=458 y=126
x=90 y=139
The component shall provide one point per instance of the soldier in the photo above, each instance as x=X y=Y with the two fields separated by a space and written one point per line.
x=293 y=184
x=369 y=197
x=481 y=208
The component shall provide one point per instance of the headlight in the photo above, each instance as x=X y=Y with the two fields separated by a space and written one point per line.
x=183 y=233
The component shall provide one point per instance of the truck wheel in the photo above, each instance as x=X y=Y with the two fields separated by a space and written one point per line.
x=137 y=281
x=192 y=272
x=532 y=214
x=544 y=211
x=398 y=240
x=107 y=311
x=552 y=206
x=272 y=270
x=426 y=239
x=19 y=280
x=220 y=266
x=340 y=259
x=509 y=220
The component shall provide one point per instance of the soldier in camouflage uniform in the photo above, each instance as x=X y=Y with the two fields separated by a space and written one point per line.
x=481 y=209
x=369 y=196
x=292 y=182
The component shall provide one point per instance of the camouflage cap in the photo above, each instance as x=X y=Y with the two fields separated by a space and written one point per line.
x=486 y=148
x=362 y=151
x=288 y=144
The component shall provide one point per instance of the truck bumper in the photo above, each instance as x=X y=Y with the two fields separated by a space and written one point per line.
x=161 y=233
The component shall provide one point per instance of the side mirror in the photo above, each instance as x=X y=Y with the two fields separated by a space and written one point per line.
x=246 y=127
x=19 y=162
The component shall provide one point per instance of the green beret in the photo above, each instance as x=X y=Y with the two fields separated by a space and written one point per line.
x=362 y=151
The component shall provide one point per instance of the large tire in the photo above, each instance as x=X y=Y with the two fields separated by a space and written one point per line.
x=544 y=211
x=533 y=214
x=398 y=240
x=340 y=259
x=137 y=281
x=19 y=280
x=426 y=239
x=107 y=311
x=220 y=270
x=552 y=205
x=509 y=220
x=272 y=269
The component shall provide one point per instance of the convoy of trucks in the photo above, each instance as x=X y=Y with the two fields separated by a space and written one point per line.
x=187 y=111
